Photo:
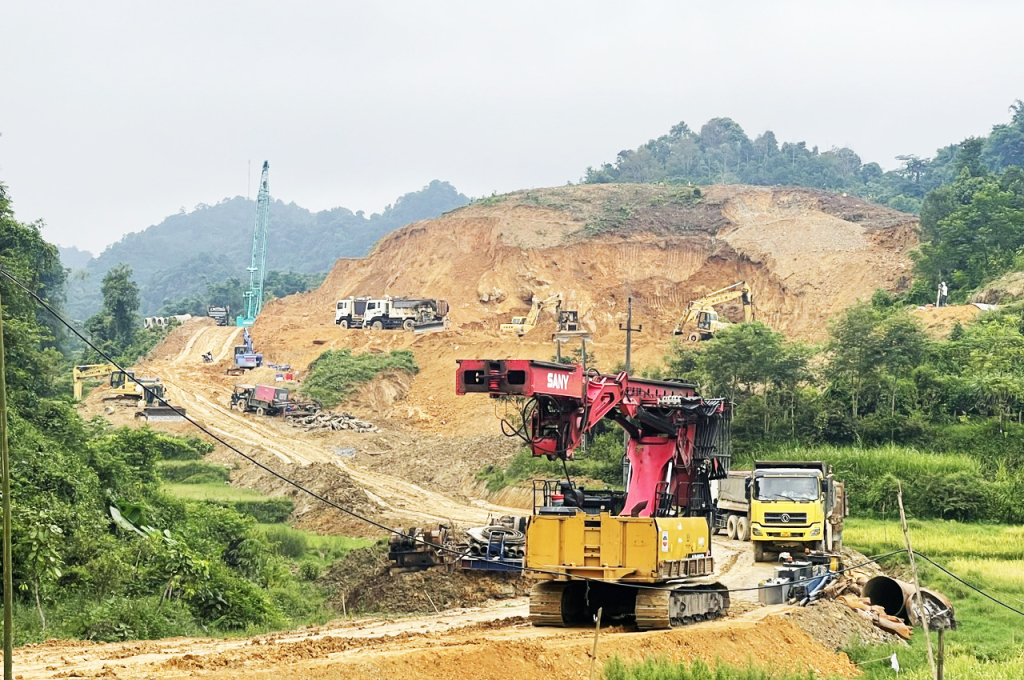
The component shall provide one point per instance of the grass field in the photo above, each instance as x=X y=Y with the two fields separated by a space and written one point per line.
x=298 y=544
x=212 y=492
x=989 y=642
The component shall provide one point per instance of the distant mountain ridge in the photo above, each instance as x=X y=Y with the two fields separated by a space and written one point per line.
x=183 y=253
x=73 y=258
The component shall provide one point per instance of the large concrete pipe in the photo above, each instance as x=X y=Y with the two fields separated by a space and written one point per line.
x=897 y=598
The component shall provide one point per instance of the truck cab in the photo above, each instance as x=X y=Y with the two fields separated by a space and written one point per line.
x=350 y=311
x=795 y=505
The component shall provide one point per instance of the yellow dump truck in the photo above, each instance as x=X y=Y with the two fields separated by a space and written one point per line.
x=790 y=505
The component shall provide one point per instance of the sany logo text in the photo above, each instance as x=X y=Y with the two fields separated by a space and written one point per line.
x=558 y=382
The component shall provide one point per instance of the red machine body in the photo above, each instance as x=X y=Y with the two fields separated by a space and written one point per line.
x=677 y=439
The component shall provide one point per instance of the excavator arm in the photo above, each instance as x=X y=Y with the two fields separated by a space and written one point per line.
x=676 y=439
x=709 y=301
x=524 y=324
x=79 y=374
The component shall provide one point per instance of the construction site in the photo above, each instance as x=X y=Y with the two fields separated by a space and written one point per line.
x=509 y=583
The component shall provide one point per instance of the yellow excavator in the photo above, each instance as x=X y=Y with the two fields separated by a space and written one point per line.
x=123 y=384
x=521 y=325
x=146 y=393
x=701 y=321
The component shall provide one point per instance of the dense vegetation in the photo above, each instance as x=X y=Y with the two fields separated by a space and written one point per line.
x=722 y=153
x=229 y=292
x=188 y=252
x=336 y=373
x=100 y=549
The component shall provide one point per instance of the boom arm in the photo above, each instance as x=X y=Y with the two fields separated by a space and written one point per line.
x=86 y=371
x=258 y=264
x=677 y=440
x=736 y=290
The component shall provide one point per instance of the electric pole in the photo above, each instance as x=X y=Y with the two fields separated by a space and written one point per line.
x=629 y=330
x=5 y=489
x=629 y=347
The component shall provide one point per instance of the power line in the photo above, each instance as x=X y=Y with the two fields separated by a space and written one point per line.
x=441 y=548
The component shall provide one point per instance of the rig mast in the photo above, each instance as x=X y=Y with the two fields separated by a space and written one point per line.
x=258 y=265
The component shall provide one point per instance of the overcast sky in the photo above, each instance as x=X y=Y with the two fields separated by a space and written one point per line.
x=114 y=115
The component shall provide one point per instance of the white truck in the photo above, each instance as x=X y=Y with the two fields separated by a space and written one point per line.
x=409 y=313
x=349 y=312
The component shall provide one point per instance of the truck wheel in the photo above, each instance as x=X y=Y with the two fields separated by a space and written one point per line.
x=343 y=323
x=730 y=527
x=377 y=325
x=693 y=337
x=743 y=529
x=758 y=551
x=260 y=411
x=408 y=324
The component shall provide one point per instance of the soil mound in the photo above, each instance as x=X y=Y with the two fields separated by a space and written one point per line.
x=363 y=583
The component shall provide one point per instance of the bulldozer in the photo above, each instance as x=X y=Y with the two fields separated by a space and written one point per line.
x=701 y=321
x=147 y=394
x=521 y=325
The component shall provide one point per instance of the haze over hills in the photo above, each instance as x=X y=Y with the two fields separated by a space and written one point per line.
x=73 y=258
x=185 y=252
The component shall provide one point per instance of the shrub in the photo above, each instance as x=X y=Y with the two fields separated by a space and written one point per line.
x=287 y=541
x=335 y=374
x=119 y=618
x=182 y=448
x=267 y=511
x=192 y=472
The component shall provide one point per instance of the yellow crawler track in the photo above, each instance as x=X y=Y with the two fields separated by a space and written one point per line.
x=546 y=604
x=652 y=609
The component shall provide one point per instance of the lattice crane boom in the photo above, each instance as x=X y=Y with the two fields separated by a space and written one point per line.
x=258 y=264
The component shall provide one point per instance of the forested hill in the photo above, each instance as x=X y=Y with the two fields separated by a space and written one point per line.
x=722 y=153
x=179 y=256
x=73 y=258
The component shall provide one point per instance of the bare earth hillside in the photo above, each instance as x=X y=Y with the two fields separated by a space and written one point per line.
x=807 y=254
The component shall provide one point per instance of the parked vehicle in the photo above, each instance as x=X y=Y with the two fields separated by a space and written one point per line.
x=782 y=505
x=263 y=400
x=408 y=313
x=349 y=312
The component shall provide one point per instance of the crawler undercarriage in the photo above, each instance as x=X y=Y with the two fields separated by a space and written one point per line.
x=650 y=606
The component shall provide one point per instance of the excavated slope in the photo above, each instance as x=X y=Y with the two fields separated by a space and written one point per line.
x=806 y=254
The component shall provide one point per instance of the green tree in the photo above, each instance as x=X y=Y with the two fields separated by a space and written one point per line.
x=113 y=328
x=1005 y=146
x=743 y=361
x=870 y=351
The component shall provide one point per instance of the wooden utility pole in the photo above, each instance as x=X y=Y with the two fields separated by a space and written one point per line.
x=917 y=582
x=597 y=634
x=5 y=489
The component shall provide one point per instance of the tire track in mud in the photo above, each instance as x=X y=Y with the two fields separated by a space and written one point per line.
x=229 y=343
x=291 y=447
x=187 y=349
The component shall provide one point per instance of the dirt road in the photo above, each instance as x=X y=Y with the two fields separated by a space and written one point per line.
x=204 y=391
x=489 y=643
